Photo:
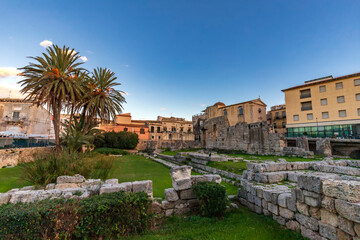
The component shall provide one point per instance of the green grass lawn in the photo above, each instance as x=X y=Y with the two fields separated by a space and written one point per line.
x=10 y=178
x=240 y=224
x=229 y=166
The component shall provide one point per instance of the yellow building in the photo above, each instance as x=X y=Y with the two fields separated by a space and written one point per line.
x=171 y=128
x=324 y=107
x=249 y=112
x=277 y=119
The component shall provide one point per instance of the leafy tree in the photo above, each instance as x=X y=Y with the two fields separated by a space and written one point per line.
x=53 y=80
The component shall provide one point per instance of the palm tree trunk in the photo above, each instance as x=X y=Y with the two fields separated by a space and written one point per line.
x=56 y=123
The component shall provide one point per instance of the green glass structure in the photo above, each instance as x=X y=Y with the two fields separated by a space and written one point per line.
x=349 y=131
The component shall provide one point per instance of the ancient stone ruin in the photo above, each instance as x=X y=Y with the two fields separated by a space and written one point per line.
x=321 y=199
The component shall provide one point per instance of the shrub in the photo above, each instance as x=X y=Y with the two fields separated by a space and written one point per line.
x=45 y=170
x=113 y=151
x=212 y=198
x=109 y=216
x=121 y=140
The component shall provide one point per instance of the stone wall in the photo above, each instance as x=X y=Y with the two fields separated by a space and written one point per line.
x=321 y=199
x=181 y=198
x=74 y=187
x=171 y=144
x=11 y=157
x=252 y=138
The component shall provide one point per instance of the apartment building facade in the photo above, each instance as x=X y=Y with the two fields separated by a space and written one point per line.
x=324 y=107
x=277 y=119
x=171 y=128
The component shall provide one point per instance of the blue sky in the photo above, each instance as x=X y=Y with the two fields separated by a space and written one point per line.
x=176 y=57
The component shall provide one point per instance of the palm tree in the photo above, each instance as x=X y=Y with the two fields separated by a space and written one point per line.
x=102 y=100
x=53 y=81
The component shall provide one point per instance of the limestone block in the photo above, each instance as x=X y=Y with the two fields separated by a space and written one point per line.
x=308 y=233
x=258 y=209
x=315 y=212
x=345 y=190
x=24 y=196
x=167 y=205
x=302 y=208
x=313 y=202
x=257 y=201
x=70 y=179
x=310 y=183
x=343 y=235
x=66 y=185
x=292 y=176
x=213 y=178
x=346 y=226
x=323 y=147
x=141 y=186
x=297 y=194
x=193 y=203
x=181 y=172
x=267 y=195
x=197 y=178
x=293 y=225
x=327 y=231
x=171 y=195
x=273 y=208
x=50 y=186
x=328 y=203
x=329 y=218
x=182 y=184
x=264 y=204
x=156 y=207
x=259 y=192
x=187 y=194
x=282 y=199
x=357 y=229
x=110 y=188
x=350 y=211
x=52 y=193
x=279 y=219
x=275 y=177
x=286 y=213
x=112 y=181
x=307 y=222
x=261 y=177
x=250 y=198
x=182 y=211
x=266 y=212
x=291 y=204
x=169 y=212
x=4 y=198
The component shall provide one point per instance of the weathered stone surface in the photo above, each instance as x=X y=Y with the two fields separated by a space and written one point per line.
x=346 y=225
x=308 y=233
x=273 y=208
x=315 y=212
x=297 y=194
x=307 y=222
x=303 y=208
x=343 y=235
x=327 y=231
x=193 y=203
x=282 y=199
x=167 y=205
x=323 y=147
x=66 y=185
x=286 y=213
x=329 y=204
x=50 y=186
x=213 y=178
x=182 y=184
x=171 y=195
x=310 y=183
x=293 y=225
x=112 y=181
x=275 y=177
x=357 y=229
x=128 y=187
x=279 y=219
x=350 y=211
x=197 y=178
x=141 y=186
x=169 y=212
x=345 y=190
x=181 y=172
x=70 y=179
x=4 y=198
x=156 y=207
x=187 y=194
x=313 y=202
x=329 y=218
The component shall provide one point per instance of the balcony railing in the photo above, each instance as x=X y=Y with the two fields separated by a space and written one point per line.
x=305 y=95
x=307 y=108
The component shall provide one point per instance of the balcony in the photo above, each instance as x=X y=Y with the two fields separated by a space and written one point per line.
x=305 y=95
x=306 y=108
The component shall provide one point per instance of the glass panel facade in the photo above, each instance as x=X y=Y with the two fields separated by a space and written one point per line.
x=336 y=131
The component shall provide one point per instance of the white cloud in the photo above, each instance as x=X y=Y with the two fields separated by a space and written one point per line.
x=46 y=43
x=84 y=59
x=162 y=109
x=8 y=72
x=126 y=65
x=89 y=51
x=202 y=105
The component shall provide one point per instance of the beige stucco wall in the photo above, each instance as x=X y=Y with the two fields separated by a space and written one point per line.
x=293 y=103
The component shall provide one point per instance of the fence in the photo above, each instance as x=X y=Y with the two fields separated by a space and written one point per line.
x=9 y=142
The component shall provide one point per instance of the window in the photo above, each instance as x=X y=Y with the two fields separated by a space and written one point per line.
x=296 y=117
x=125 y=129
x=305 y=93
x=357 y=97
x=173 y=129
x=342 y=113
x=284 y=124
x=158 y=129
x=305 y=106
x=16 y=115
x=152 y=137
x=152 y=129
x=341 y=99
x=277 y=115
x=142 y=131
x=325 y=115
x=357 y=82
x=322 y=88
x=165 y=129
x=225 y=112
x=323 y=101
x=283 y=114
x=159 y=137
x=309 y=116
x=170 y=136
x=259 y=110
x=189 y=130
x=339 y=85
x=241 y=111
x=274 y=125
x=358 y=111
x=181 y=129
